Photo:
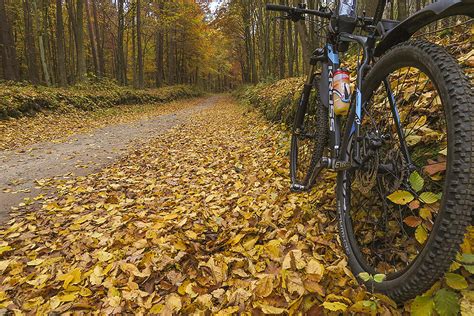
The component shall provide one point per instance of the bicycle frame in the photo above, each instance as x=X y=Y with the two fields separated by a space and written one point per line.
x=329 y=57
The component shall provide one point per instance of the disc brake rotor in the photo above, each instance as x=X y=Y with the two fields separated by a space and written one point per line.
x=393 y=181
x=366 y=177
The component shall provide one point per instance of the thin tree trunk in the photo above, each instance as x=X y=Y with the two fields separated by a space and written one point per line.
x=30 y=47
x=98 y=37
x=11 y=69
x=290 y=50
x=402 y=9
x=159 y=41
x=42 y=49
x=303 y=34
x=61 y=53
x=92 y=39
x=282 y=56
x=141 y=80
x=81 y=57
x=121 y=72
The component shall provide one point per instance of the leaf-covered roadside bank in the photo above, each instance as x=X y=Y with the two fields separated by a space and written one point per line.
x=18 y=100
x=199 y=220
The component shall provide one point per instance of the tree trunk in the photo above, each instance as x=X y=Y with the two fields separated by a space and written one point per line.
x=134 y=56
x=141 y=80
x=159 y=52
x=80 y=51
x=290 y=50
x=121 y=72
x=11 y=69
x=402 y=9
x=61 y=53
x=30 y=47
x=92 y=39
x=305 y=45
x=98 y=37
x=282 y=56
x=42 y=49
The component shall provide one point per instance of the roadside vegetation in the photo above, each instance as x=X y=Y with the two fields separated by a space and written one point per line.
x=19 y=100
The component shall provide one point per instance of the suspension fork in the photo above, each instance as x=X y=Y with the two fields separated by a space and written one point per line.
x=300 y=114
x=317 y=56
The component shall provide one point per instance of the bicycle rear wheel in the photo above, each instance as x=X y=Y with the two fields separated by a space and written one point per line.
x=404 y=212
x=308 y=141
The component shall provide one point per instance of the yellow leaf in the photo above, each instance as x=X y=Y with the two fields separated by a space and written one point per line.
x=35 y=262
x=132 y=269
x=425 y=213
x=420 y=234
x=228 y=311
x=273 y=249
x=191 y=235
x=5 y=249
x=293 y=259
x=54 y=302
x=429 y=197
x=316 y=268
x=72 y=277
x=103 y=256
x=85 y=292
x=270 y=310
x=401 y=197
x=67 y=297
x=156 y=309
x=264 y=286
x=173 y=302
x=335 y=306
x=4 y=265
x=96 y=276
x=456 y=281
x=250 y=243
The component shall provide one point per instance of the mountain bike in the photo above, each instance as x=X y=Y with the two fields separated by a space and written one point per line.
x=404 y=153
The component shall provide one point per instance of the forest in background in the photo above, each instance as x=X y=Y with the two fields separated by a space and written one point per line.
x=151 y=43
x=141 y=43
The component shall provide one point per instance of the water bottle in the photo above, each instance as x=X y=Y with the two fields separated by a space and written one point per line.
x=342 y=91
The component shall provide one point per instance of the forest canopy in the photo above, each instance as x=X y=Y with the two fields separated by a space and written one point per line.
x=150 y=43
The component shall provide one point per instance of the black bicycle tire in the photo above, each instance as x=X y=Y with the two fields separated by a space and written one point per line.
x=321 y=138
x=456 y=212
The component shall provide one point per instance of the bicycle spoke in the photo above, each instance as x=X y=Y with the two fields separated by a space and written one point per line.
x=387 y=225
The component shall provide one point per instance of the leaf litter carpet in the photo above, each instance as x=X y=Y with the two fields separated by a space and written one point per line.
x=200 y=220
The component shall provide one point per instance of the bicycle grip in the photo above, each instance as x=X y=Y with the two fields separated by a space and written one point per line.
x=277 y=7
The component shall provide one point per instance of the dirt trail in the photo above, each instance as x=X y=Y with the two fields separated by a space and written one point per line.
x=80 y=154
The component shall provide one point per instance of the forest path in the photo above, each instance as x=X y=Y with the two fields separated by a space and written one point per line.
x=197 y=220
x=81 y=154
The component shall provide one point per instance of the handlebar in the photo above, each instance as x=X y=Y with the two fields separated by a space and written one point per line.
x=297 y=11
x=278 y=7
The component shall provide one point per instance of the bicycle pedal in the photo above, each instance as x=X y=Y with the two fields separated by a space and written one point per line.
x=297 y=188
